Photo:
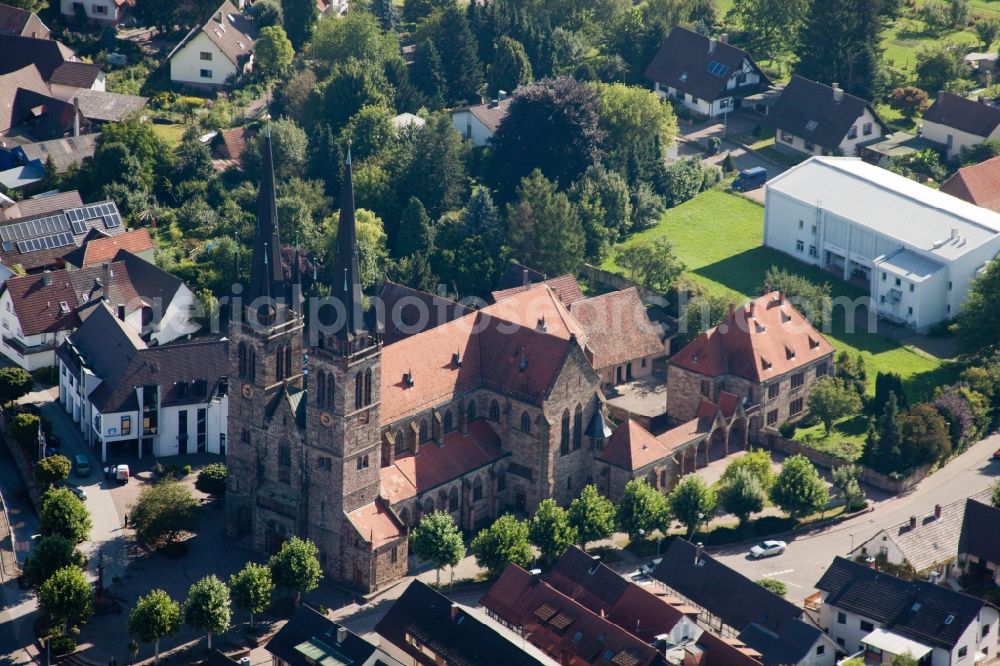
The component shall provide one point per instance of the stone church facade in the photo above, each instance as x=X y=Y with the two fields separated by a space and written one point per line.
x=473 y=417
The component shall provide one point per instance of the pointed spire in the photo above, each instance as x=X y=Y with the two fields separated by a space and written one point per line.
x=296 y=297
x=346 y=287
x=266 y=278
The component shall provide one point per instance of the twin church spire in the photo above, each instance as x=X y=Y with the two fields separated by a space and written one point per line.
x=267 y=279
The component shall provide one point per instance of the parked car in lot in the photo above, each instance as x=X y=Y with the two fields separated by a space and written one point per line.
x=82 y=465
x=122 y=473
x=768 y=549
x=76 y=490
x=750 y=179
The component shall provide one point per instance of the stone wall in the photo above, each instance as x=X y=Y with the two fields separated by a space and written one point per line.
x=774 y=441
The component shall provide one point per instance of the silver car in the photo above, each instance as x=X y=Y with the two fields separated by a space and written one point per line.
x=767 y=549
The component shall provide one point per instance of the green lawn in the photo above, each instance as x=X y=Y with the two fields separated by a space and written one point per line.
x=172 y=134
x=905 y=39
x=847 y=440
x=718 y=236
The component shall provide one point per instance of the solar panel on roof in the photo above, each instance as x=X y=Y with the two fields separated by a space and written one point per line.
x=79 y=227
x=112 y=221
x=45 y=242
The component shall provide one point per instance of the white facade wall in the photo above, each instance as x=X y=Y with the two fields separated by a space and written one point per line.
x=96 y=10
x=67 y=93
x=471 y=128
x=847 y=146
x=188 y=67
x=807 y=232
x=952 y=139
x=979 y=636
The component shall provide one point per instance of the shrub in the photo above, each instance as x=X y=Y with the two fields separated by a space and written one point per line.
x=62 y=645
x=712 y=145
x=787 y=429
x=186 y=470
x=773 y=585
x=212 y=480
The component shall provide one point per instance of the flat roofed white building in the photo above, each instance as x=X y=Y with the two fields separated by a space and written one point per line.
x=917 y=249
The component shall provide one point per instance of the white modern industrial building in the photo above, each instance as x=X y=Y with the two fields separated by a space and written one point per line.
x=917 y=249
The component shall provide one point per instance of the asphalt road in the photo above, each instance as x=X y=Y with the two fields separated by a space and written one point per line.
x=808 y=556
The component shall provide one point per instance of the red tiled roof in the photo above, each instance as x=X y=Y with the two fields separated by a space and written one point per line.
x=618 y=328
x=103 y=249
x=516 y=596
x=978 y=184
x=495 y=353
x=632 y=447
x=532 y=306
x=685 y=433
x=376 y=524
x=434 y=465
x=565 y=286
x=491 y=115
x=38 y=305
x=232 y=142
x=763 y=339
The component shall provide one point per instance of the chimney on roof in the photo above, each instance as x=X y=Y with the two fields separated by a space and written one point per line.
x=913 y=522
x=753 y=309
x=524 y=277
x=933 y=577
x=341 y=635
x=536 y=575
x=76 y=116
x=47 y=278
x=937 y=511
x=838 y=94
x=698 y=552
x=121 y=311
x=732 y=310
x=724 y=38
x=502 y=95
x=106 y=274
x=711 y=45
x=781 y=297
x=954 y=233
x=541 y=324
x=597 y=564
x=454 y=612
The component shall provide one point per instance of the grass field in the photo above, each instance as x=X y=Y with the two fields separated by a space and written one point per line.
x=847 y=440
x=718 y=236
x=172 y=134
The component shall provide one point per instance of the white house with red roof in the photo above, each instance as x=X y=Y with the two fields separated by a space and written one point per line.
x=479 y=122
x=216 y=53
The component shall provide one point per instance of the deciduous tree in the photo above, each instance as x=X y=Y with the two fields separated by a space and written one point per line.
x=979 y=320
x=799 y=490
x=15 y=383
x=52 y=469
x=252 y=588
x=63 y=514
x=830 y=400
x=300 y=20
x=757 y=462
x=273 y=52
x=51 y=554
x=296 y=567
x=155 y=616
x=66 y=596
x=163 y=512
x=692 y=502
x=845 y=480
x=592 y=516
x=207 y=607
x=438 y=540
x=926 y=434
x=505 y=541
x=651 y=263
x=641 y=510
x=742 y=494
x=767 y=26
x=549 y=530
x=909 y=100
x=987 y=29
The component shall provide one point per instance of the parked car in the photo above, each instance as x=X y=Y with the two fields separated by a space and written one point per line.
x=122 y=473
x=76 y=490
x=82 y=464
x=768 y=549
x=750 y=179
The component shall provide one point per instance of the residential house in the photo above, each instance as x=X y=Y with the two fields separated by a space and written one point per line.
x=131 y=399
x=38 y=311
x=41 y=239
x=52 y=202
x=582 y=612
x=425 y=628
x=622 y=341
x=879 y=616
x=708 y=76
x=216 y=53
x=759 y=365
x=915 y=248
x=109 y=12
x=978 y=184
x=98 y=248
x=479 y=122
x=956 y=122
x=331 y=7
x=227 y=147
x=633 y=453
x=817 y=119
x=63 y=151
x=21 y=23
x=309 y=638
x=734 y=605
x=925 y=544
x=28 y=107
x=60 y=68
x=99 y=107
x=979 y=541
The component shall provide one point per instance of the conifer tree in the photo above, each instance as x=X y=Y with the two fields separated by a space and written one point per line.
x=459 y=57
x=840 y=43
x=415 y=235
x=510 y=67
x=428 y=74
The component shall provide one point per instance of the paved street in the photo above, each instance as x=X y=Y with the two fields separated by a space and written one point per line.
x=808 y=556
